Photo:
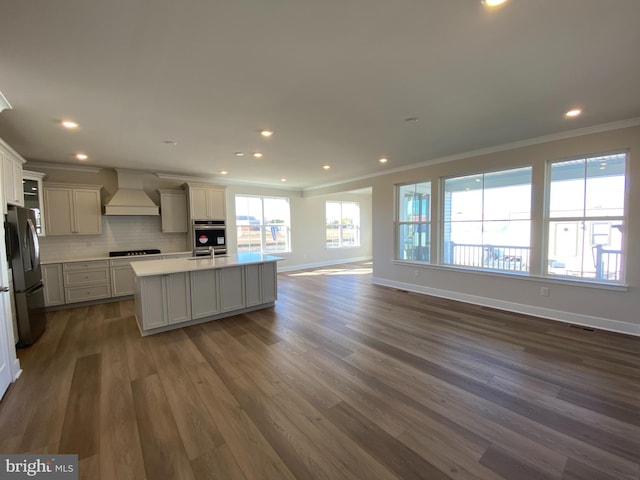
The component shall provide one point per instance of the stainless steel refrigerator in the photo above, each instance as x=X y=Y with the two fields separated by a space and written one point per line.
x=23 y=251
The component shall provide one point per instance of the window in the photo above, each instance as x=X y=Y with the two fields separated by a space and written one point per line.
x=487 y=220
x=585 y=217
x=263 y=224
x=414 y=222
x=343 y=224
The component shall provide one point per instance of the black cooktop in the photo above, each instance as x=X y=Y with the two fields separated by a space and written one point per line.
x=129 y=253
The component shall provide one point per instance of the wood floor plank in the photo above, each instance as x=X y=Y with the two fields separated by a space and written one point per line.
x=217 y=464
x=119 y=438
x=81 y=428
x=256 y=457
x=400 y=459
x=164 y=453
x=342 y=379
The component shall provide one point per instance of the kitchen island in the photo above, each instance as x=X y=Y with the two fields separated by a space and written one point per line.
x=178 y=292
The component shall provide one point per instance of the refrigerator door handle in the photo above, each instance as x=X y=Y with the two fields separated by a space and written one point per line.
x=35 y=247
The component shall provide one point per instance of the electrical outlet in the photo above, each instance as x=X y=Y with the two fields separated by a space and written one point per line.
x=544 y=291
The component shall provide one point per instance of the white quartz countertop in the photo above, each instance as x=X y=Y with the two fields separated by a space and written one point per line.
x=176 y=265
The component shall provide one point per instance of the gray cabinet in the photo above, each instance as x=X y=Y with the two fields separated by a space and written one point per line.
x=163 y=300
x=53 y=284
x=85 y=281
x=173 y=210
x=122 y=277
x=72 y=209
x=11 y=164
x=206 y=202
x=232 y=290
x=205 y=300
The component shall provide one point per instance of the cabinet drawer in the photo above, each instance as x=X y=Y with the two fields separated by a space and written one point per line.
x=91 y=265
x=83 y=294
x=86 y=277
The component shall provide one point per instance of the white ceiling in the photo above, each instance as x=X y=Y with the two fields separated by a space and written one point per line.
x=335 y=79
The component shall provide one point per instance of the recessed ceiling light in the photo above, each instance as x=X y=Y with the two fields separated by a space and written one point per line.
x=326 y=167
x=383 y=160
x=574 y=112
x=223 y=172
x=82 y=156
x=170 y=142
x=257 y=155
x=283 y=179
x=239 y=154
x=492 y=3
x=411 y=119
x=69 y=124
x=266 y=133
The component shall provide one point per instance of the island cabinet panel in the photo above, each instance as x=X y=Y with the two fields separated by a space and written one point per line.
x=269 y=277
x=232 y=291
x=253 y=284
x=205 y=300
x=177 y=292
x=163 y=299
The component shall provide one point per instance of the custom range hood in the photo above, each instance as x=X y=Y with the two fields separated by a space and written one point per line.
x=130 y=198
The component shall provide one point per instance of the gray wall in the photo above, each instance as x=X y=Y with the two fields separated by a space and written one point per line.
x=610 y=308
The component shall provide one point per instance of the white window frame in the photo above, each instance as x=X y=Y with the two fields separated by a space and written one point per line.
x=341 y=226
x=581 y=221
x=509 y=260
x=427 y=224
x=274 y=228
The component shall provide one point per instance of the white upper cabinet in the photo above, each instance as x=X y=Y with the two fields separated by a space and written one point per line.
x=11 y=176
x=173 y=209
x=72 y=209
x=206 y=202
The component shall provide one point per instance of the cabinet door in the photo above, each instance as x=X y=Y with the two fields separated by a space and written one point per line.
x=58 y=210
x=269 y=282
x=216 y=204
x=122 y=281
x=178 y=295
x=151 y=302
x=198 y=203
x=18 y=191
x=87 y=212
x=204 y=293
x=231 y=289
x=173 y=209
x=253 y=284
x=53 y=284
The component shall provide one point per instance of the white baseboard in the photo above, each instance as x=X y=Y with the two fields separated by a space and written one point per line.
x=550 y=314
x=328 y=263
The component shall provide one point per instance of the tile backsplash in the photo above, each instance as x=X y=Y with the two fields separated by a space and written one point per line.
x=118 y=233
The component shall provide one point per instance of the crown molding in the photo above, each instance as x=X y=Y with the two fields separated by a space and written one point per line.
x=605 y=127
x=63 y=166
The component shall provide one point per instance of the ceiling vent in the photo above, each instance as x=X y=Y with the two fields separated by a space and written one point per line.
x=130 y=198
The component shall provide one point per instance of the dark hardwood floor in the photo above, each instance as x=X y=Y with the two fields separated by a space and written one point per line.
x=341 y=380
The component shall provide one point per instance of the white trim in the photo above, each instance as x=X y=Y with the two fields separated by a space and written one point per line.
x=605 y=127
x=16 y=371
x=327 y=263
x=550 y=314
x=63 y=166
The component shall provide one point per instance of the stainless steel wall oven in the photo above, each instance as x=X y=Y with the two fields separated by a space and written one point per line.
x=209 y=233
